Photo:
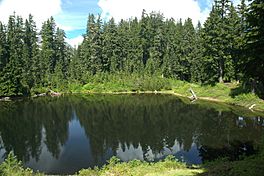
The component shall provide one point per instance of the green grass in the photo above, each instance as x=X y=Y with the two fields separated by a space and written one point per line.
x=230 y=93
x=221 y=93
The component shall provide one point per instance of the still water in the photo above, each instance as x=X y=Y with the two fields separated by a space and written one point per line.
x=65 y=134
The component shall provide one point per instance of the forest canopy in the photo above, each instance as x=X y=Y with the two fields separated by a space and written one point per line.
x=229 y=46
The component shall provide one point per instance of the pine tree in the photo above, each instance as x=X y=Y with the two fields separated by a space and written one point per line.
x=135 y=52
x=30 y=54
x=3 y=48
x=94 y=37
x=61 y=61
x=169 y=60
x=47 y=53
x=144 y=36
x=155 y=54
x=253 y=63
x=197 y=69
x=218 y=41
x=12 y=75
x=177 y=54
x=109 y=50
x=187 y=50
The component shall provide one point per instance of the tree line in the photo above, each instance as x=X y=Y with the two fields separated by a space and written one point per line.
x=227 y=47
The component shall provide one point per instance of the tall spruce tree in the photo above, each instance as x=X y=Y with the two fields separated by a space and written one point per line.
x=218 y=41
x=61 y=59
x=253 y=63
x=30 y=54
x=3 y=47
x=11 y=82
x=197 y=69
x=47 y=53
x=95 y=42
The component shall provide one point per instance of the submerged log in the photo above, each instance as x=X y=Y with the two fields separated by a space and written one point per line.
x=5 y=99
x=40 y=95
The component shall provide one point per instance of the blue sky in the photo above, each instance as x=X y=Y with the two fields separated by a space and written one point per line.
x=71 y=15
x=75 y=14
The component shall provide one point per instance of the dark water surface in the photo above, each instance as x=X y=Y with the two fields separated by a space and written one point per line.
x=63 y=135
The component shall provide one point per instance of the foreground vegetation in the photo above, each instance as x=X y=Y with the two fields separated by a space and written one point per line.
x=252 y=165
x=12 y=167
x=137 y=168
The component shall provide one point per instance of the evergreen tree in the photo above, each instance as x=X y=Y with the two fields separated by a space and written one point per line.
x=253 y=63
x=47 y=53
x=95 y=42
x=3 y=48
x=144 y=36
x=30 y=54
x=218 y=41
x=188 y=50
x=135 y=52
x=61 y=61
x=110 y=47
x=241 y=30
x=197 y=69
x=11 y=84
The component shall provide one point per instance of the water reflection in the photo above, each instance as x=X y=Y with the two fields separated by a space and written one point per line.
x=63 y=135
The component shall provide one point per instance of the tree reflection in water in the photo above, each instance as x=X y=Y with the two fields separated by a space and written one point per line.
x=145 y=127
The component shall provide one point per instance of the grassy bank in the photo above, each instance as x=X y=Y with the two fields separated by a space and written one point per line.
x=230 y=93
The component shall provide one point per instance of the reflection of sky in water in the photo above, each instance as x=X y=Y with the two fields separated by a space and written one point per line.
x=75 y=154
x=2 y=150
x=129 y=152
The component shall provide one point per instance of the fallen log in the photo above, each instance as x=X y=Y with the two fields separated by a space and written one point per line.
x=193 y=97
x=54 y=94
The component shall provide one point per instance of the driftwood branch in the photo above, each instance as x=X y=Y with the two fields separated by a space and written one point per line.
x=193 y=97
x=251 y=107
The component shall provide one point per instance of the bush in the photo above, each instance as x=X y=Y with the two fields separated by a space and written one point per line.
x=12 y=167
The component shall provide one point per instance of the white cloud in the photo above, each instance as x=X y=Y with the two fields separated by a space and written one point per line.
x=124 y=9
x=40 y=9
x=75 y=42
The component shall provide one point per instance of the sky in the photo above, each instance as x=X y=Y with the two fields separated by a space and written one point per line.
x=71 y=15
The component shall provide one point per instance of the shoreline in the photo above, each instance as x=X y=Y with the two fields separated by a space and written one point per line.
x=171 y=92
x=253 y=107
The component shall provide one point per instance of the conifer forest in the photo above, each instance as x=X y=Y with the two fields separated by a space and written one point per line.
x=228 y=47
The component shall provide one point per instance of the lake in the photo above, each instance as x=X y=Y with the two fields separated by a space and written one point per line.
x=62 y=135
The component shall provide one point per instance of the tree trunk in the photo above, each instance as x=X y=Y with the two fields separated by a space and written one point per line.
x=221 y=72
